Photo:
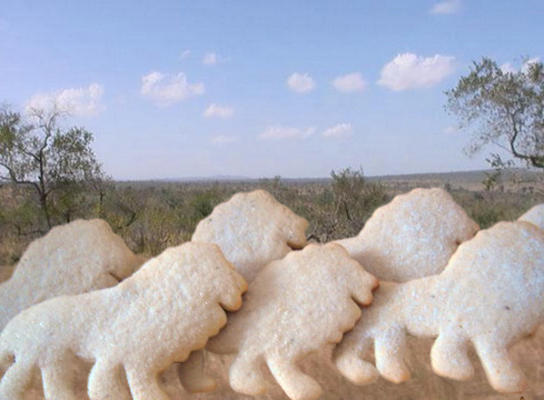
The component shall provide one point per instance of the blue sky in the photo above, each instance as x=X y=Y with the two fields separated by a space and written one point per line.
x=260 y=88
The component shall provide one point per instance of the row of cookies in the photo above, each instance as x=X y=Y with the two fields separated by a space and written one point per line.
x=410 y=241
x=296 y=304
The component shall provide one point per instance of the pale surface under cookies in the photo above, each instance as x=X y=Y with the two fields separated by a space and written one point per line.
x=71 y=259
x=295 y=305
x=138 y=328
x=535 y=216
x=412 y=236
x=252 y=229
x=424 y=384
x=490 y=295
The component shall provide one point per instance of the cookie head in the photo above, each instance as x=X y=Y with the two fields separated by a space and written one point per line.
x=217 y=275
x=252 y=229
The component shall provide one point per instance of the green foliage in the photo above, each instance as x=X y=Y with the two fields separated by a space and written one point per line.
x=504 y=109
x=55 y=162
x=354 y=198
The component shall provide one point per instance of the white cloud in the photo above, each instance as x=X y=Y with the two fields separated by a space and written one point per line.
x=446 y=7
x=185 y=54
x=166 y=89
x=525 y=66
x=508 y=68
x=223 y=139
x=300 y=83
x=279 y=132
x=349 y=83
x=215 y=110
x=78 y=102
x=210 y=59
x=450 y=130
x=409 y=71
x=338 y=131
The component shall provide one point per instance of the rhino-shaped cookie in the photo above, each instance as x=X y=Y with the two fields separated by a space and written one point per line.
x=412 y=236
x=71 y=259
x=490 y=295
x=294 y=306
x=157 y=316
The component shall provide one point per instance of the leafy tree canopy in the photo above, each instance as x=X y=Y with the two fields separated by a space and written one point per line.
x=504 y=109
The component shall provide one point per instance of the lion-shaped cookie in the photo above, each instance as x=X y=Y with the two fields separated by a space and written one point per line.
x=534 y=216
x=412 y=236
x=294 y=306
x=252 y=229
x=490 y=295
x=71 y=259
x=165 y=310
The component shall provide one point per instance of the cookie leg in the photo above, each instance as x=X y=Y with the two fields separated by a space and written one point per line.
x=503 y=374
x=245 y=375
x=16 y=380
x=296 y=384
x=390 y=348
x=58 y=379
x=192 y=376
x=144 y=385
x=348 y=360
x=106 y=381
x=449 y=357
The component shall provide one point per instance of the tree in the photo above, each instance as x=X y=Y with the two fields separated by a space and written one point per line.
x=35 y=151
x=503 y=108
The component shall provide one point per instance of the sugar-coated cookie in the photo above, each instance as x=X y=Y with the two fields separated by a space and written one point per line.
x=412 y=236
x=75 y=258
x=294 y=306
x=490 y=295
x=157 y=316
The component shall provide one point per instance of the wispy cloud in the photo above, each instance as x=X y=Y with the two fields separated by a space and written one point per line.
x=349 y=83
x=279 y=132
x=300 y=83
x=409 y=71
x=223 y=139
x=166 y=89
x=210 y=59
x=185 y=54
x=338 y=131
x=446 y=7
x=217 y=111
x=78 y=101
x=508 y=67
x=450 y=130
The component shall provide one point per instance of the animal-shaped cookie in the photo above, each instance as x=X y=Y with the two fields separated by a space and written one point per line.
x=157 y=316
x=412 y=236
x=294 y=306
x=535 y=216
x=71 y=259
x=490 y=295
x=252 y=229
